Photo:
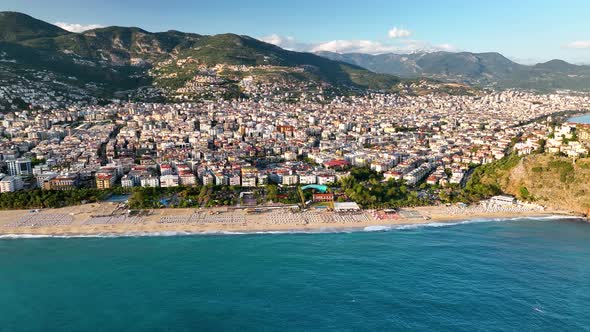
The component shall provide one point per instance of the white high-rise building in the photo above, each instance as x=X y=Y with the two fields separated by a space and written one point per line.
x=11 y=183
x=19 y=167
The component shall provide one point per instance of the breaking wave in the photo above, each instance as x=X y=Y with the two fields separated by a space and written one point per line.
x=373 y=228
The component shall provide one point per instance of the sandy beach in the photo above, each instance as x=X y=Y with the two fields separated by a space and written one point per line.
x=107 y=218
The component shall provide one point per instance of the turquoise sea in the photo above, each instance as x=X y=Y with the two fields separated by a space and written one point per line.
x=510 y=275
x=581 y=119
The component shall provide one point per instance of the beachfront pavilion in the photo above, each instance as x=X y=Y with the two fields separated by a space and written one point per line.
x=346 y=207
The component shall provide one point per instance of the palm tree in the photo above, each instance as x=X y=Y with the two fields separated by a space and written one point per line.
x=301 y=196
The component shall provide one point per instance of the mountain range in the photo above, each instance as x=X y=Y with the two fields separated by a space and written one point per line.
x=112 y=60
x=129 y=62
x=483 y=69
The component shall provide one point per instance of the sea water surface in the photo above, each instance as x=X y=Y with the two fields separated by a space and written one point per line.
x=512 y=275
x=585 y=119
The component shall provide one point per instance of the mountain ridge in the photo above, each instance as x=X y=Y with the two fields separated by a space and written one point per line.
x=102 y=58
x=15 y=26
x=488 y=69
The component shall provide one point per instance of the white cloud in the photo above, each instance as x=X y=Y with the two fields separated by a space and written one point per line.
x=410 y=45
x=75 y=27
x=579 y=44
x=526 y=61
x=356 y=46
x=445 y=47
x=286 y=42
x=275 y=39
x=399 y=33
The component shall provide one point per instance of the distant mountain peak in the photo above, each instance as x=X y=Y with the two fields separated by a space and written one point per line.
x=556 y=62
x=486 y=69
x=558 y=65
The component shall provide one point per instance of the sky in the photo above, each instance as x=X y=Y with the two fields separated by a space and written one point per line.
x=527 y=31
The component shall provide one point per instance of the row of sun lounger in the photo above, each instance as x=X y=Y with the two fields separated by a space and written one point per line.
x=42 y=220
x=113 y=220
x=203 y=218
x=489 y=208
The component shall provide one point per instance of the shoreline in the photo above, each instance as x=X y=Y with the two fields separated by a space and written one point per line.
x=106 y=220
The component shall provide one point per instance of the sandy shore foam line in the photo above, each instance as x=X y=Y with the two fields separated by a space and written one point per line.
x=324 y=230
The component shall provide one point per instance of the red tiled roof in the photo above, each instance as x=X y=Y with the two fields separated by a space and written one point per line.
x=336 y=163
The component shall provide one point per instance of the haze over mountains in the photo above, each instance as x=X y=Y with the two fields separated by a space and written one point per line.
x=484 y=69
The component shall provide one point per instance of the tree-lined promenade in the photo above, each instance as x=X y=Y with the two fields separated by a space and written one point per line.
x=363 y=186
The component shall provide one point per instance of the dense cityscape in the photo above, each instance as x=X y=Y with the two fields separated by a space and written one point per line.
x=253 y=142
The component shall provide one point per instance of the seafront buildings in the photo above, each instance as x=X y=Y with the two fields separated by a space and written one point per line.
x=250 y=142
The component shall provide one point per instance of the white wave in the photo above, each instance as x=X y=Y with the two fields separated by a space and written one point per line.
x=551 y=217
x=22 y=236
x=99 y=235
x=169 y=234
x=376 y=228
x=372 y=228
x=381 y=228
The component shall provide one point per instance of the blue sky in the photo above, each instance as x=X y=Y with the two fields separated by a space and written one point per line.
x=524 y=30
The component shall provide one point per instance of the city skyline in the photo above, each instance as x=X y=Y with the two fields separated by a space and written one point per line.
x=379 y=27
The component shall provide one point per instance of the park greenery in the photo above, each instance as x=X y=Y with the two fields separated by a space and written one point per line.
x=37 y=198
x=184 y=197
x=363 y=185
x=367 y=188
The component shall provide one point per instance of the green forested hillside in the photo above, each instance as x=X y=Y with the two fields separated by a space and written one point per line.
x=115 y=59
